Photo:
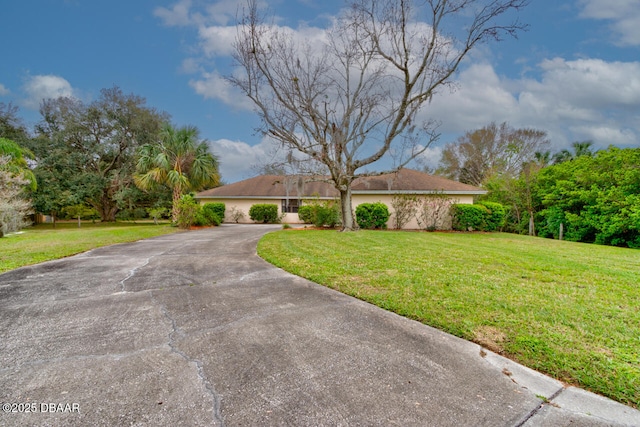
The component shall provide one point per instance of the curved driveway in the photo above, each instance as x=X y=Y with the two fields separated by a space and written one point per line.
x=195 y=329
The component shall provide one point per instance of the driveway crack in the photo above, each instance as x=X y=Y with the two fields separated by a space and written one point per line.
x=548 y=401
x=132 y=273
x=199 y=367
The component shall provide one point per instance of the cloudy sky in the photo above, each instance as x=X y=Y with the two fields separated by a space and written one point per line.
x=575 y=74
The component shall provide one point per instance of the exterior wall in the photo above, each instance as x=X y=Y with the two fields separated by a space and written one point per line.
x=444 y=224
x=244 y=205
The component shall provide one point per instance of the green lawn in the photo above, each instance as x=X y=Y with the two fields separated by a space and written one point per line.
x=44 y=243
x=569 y=310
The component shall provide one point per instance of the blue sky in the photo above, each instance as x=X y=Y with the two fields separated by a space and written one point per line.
x=575 y=74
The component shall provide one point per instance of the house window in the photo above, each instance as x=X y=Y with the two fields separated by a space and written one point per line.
x=290 y=205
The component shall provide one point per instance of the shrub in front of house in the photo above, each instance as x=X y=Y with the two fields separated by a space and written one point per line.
x=188 y=210
x=469 y=217
x=213 y=212
x=306 y=214
x=320 y=214
x=372 y=215
x=264 y=213
x=496 y=217
x=218 y=208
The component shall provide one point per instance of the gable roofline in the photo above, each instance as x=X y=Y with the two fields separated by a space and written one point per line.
x=404 y=181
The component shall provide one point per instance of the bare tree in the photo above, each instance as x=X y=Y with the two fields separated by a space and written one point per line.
x=493 y=150
x=434 y=212
x=356 y=93
x=404 y=208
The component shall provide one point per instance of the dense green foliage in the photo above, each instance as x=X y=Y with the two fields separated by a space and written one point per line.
x=495 y=218
x=179 y=160
x=86 y=152
x=372 y=215
x=265 y=213
x=562 y=308
x=469 y=217
x=484 y=216
x=190 y=213
x=591 y=197
x=93 y=154
x=596 y=198
x=214 y=212
x=320 y=214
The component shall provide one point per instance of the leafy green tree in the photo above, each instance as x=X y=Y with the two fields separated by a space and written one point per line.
x=596 y=198
x=96 y=141
x=579 y=149
x=180 y=161
x=11 y=126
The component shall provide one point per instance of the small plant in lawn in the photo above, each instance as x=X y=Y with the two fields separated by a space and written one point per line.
x=157 y=213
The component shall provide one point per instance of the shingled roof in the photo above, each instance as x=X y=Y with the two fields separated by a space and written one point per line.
x=407 y=181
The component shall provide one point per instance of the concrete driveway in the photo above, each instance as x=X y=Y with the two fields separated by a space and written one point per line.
x=195 y=329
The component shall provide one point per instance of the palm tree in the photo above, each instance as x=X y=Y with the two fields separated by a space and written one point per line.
x=180 y=161
x=579 y=149
x=582 y=149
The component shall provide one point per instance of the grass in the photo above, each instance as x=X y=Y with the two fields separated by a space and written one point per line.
x=44 y=243
x=569 y=310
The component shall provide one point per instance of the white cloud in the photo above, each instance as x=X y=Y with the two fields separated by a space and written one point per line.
x=623 y=14
x=214 y=86
x=217 y=41
x=3 y=90
x=177 y=16
x=479 y=98
x=238 y=159
x=223 y=12
x=430 y=158
x=43 y=87
x=585 y=99
x=571 y=100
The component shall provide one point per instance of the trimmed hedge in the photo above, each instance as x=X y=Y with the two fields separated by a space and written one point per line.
x=497 y=216
x=214 y=212
x=372 y=215
x=264 y=213
x=484 y=216
x=320 y=215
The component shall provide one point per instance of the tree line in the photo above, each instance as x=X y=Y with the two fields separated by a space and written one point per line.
x=577 y=194
x=113 y=156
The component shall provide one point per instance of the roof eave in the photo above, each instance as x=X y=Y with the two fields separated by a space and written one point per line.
x=446 y=192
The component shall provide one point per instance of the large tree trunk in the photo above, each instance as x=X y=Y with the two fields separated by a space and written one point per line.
x=176 y=198
x=107 y=208
x=348 y=223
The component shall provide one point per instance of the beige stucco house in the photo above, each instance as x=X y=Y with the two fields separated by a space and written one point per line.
x=290 y=192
